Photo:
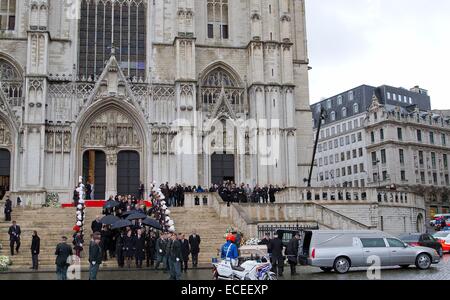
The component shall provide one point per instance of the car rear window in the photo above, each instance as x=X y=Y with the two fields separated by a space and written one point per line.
x=373 y=243
x=410 y=238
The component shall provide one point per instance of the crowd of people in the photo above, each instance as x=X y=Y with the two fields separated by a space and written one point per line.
x=243 y=193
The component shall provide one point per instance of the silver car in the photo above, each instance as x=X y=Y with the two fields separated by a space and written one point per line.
x=342 y=250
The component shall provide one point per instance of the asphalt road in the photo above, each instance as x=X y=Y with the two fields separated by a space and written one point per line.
x=437 y=272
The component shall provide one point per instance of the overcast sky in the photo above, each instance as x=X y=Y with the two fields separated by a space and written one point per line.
x=402 y=43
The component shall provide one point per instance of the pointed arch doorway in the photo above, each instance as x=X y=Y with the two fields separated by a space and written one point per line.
x=116 y=135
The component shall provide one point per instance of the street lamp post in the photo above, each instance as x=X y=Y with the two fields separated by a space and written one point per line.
x=322 y=116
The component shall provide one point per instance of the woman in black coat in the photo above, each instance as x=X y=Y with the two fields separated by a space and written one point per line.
x=140 y=248
x=129 y=248
x=185 y=251
x=35 y=250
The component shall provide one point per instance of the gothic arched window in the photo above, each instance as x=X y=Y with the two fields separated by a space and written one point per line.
x=11 y=82
x=7 y=14
x=105 y=24
x=218 y=19
x=220 y=83
x=344 y=112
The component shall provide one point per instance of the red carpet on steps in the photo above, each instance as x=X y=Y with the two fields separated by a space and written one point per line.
x=97 y=203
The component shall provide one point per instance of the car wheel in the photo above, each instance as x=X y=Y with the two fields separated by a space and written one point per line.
x=341 y=265
x=423 y=261
x=404 y=266
x=327 y=270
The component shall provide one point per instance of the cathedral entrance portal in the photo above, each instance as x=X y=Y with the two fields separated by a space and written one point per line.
x=128 y=173
x=94 y=172
x=113 y=151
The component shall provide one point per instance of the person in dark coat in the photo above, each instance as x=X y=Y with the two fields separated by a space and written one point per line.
x=120 y=249
x=106 y=235
x=292 y=253
x=78 y=243
x=194 y=243
x=175 y=257
x=140 y=248
x=8 y=210
x=129 y=248
x=141 y=191
x=63 y=251
x=96 y=225
x=88 y=191
x=35 y=250
x=150 y=249
x=14 y=237
x=95 y=257
x=185 y=251
x=276 y=248
x=272 y=191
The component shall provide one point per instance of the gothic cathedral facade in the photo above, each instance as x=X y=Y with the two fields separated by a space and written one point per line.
x=128 y=91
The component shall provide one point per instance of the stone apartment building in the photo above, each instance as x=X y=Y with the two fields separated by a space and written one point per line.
x=111 y=89
x=391 y=141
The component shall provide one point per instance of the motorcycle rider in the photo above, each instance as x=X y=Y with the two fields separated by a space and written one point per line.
x=230 y=251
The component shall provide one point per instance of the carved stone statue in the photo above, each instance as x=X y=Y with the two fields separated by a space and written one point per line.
x=58 y=143
x=67 y=137
x=155 y=143
x=50 y=141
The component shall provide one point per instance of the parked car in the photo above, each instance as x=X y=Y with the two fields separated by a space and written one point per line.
x=423 y=240
x=438 y=216
x=443 y=237
x=342 y=250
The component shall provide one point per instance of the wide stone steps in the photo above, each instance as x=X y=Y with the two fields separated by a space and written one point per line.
x=52 y=223
x=207 y=224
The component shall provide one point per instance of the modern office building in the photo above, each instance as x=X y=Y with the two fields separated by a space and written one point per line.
x=385 y=137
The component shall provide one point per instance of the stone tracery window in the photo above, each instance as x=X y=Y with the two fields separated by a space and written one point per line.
x=219 y=82
x=113 y=23
x=7 y=14
x=11 y=82
x=218 y=19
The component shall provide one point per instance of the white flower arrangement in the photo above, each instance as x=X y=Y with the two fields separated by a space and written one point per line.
x=252 y=242
x=5 y=262
x=52 y=200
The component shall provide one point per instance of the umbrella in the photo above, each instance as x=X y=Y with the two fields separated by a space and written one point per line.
x=111 y=204
x=136 y=216
x=127 y=213
x=152 y=223
x=121 y=224
x=109 y=220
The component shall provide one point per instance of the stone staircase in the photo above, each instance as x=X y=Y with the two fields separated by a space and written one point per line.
x=208 y=225
x=51 y=224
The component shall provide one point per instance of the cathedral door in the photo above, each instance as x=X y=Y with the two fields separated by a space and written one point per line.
x=5 y=172
x=128 y=173
x=222 y=168
x=94 y=170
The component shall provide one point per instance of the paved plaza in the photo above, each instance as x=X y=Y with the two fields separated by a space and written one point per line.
x=437 y=272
